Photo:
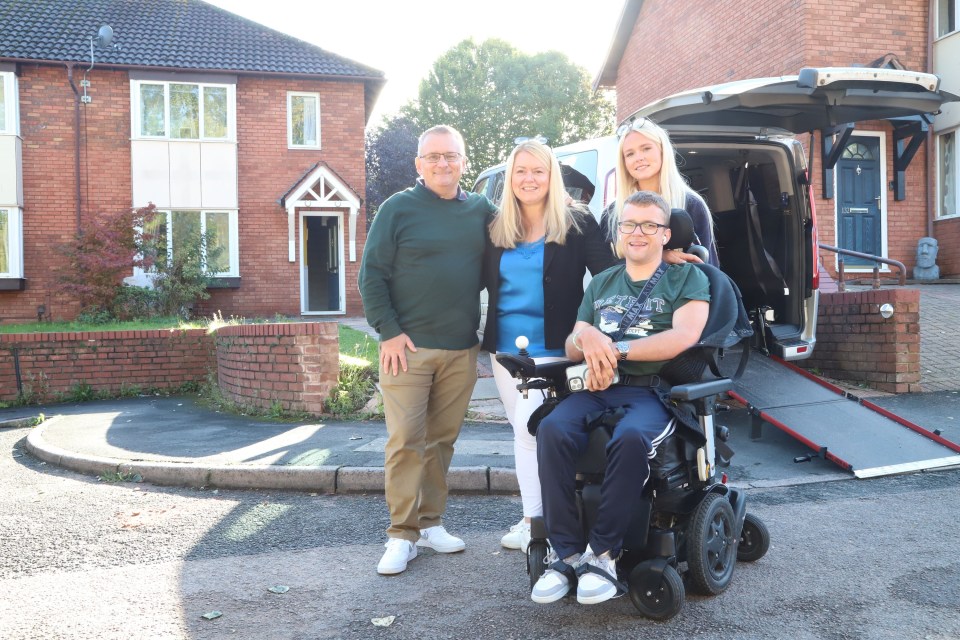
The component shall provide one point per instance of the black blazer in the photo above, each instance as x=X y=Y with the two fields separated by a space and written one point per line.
x=563 y=270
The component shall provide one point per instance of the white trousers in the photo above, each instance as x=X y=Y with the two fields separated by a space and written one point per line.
x=518 y=411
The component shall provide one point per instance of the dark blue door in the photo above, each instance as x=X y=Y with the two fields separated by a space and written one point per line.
x=858 y=198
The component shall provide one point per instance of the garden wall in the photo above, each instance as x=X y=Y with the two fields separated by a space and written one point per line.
x=293 y=366
x=53 y=365
x=855 y=343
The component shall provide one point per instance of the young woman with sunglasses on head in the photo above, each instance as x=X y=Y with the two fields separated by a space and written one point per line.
x=647 y=161
x=539 y=249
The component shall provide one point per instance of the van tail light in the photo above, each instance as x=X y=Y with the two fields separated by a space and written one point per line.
x=814 y=238
x=609 y=187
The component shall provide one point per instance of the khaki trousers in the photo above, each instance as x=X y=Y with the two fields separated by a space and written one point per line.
x=424 y=408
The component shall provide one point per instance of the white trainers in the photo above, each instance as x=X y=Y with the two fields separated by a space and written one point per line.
x=554 y=583
x=518 y=537
x=438 y=539
x=597 y=579
x=399 y=552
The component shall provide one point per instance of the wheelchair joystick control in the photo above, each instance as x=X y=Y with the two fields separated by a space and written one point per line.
x=522 y=343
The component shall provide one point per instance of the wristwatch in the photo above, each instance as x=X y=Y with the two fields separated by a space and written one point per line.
x=623 y=348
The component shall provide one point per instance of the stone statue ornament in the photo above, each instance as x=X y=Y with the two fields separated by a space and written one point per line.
x=927 y=268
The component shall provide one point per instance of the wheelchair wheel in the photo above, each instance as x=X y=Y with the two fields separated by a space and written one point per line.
x=536 y=560
x=660 y=600
x=754 y=539
x=711 y=545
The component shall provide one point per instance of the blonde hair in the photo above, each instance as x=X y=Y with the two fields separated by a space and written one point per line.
x=672 y=187
x=506 y=229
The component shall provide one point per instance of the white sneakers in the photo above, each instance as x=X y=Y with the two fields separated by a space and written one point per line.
x=518 y=537
x=438 y=539
x=598 y=575
x=597 y=581
x=399 y=552
x=556 y=580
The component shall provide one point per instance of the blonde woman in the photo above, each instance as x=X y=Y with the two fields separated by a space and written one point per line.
x=647 y=161
x=538 y=252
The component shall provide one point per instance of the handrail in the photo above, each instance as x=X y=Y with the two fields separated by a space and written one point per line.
x=876 y=265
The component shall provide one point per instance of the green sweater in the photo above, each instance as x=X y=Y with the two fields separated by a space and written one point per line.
x=420 y=272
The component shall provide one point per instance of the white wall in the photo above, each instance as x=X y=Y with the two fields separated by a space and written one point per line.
x=184 y=175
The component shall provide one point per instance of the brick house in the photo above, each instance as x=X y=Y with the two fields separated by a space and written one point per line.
x=661 y=47
x=223 y=124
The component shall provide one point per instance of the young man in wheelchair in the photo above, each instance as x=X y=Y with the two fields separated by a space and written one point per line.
x=634 y=318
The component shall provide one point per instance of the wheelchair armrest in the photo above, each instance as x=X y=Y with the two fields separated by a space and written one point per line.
x=524 y=367
x=697 y=390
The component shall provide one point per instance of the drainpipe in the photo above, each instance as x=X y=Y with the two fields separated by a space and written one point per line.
x=76 y=141
x=927 y=156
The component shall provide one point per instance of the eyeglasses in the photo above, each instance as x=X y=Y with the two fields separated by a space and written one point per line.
x=646 y=228
x=434 y=158
x=632 y=125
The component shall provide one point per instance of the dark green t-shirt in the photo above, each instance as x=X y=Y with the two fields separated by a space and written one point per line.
x=420 y=272
x=611 y=293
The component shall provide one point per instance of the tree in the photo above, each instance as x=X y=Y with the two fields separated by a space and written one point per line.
x=492 y=93
x=391 y=148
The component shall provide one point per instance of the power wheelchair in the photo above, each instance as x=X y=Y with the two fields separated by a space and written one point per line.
x=688 y=526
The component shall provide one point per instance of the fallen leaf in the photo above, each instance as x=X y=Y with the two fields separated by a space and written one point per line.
x=279 y=588
x=211 y=615
x=383 y=622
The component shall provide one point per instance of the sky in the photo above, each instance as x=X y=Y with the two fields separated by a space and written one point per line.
x=403 y=38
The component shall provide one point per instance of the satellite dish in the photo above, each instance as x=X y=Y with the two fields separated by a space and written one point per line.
x=105 y=36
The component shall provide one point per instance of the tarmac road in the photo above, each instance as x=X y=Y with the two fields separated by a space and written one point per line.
x=79 y=558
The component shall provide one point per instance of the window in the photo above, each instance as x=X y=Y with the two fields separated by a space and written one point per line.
x=946 y=17
x=948 y=172
x=303 y=120
x=11 y=265
x=177 y=231
x=4 y=241
x=8 y=103
x=183 y=111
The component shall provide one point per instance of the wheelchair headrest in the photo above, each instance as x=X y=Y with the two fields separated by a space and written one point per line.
x=681 y=230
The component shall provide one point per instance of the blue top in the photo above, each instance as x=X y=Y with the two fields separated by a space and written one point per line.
x=520 y=312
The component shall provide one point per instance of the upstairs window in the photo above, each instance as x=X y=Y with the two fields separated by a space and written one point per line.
x=303 y=120
x=946 y=16
x=8 y=103
x=183 y=110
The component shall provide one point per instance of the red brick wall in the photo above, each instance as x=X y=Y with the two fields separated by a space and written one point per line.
x=267 y=169
x=295 y=365
x=682 y=45
x=855 y=343
x=111 y=361
x=947 y=233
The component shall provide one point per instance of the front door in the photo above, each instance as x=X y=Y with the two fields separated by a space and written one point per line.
x=321 y=262
x=858 y=199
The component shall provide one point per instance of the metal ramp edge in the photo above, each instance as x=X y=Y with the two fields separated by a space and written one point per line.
x=851 y=432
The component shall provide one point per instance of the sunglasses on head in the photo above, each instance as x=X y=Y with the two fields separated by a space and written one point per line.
x=636 y=124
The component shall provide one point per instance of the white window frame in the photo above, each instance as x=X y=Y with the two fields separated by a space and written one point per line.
x=956 y=18
x=233 y=258
x=136 y=119
x=10 y=104
x=938 y=214
x=303 y=94
x=14 y=243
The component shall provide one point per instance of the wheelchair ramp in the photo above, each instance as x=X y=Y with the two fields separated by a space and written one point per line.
x=849 y=431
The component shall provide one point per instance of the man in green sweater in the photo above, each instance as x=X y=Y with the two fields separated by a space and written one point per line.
x=420 y=283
